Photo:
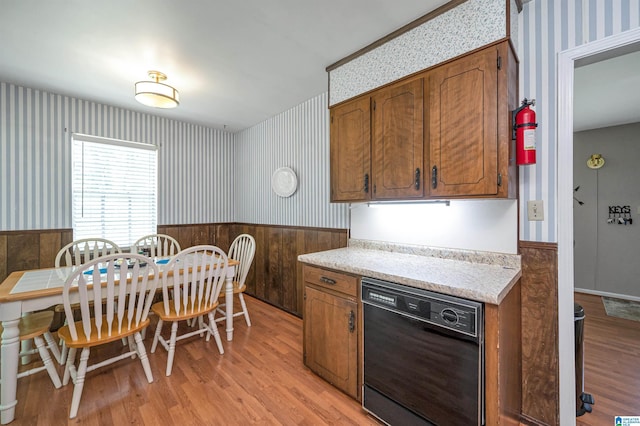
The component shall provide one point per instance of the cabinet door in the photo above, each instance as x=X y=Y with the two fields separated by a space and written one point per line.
x=351 y=151
x=398 y=141
x=463 y=126
x=330 y=338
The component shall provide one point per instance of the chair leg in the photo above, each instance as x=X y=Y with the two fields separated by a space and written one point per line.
x=142 y=354
x=71 y=358
x=53 y=347
x=244 y=309
x=202 y=327
x=132 y=346
x=46 y=359
x=172 y=347
x=64 y=353
x=214 y=330
x=79 y=383
x=156 y=336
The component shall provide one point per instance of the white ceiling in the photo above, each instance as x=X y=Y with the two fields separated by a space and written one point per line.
x=607 y=93
x=235 y=63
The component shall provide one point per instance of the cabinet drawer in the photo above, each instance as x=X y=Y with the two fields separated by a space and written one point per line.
x=337 y=281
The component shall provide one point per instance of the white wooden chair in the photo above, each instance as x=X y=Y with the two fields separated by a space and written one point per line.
x=157 y=245
x=196 y=275
x=36 y=326
x=242 y=249
x=76 y=253
x=125 y=314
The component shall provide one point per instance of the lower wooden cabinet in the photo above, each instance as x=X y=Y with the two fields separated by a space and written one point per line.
x=331 y=328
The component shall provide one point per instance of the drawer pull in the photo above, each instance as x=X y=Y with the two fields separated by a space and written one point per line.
x=328 y=280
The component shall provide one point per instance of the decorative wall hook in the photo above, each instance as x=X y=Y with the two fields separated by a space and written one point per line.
x=575 y=198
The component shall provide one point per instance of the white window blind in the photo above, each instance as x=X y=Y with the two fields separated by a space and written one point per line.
x=114 y=189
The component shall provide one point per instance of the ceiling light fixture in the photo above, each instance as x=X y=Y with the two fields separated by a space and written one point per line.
x=156 y=94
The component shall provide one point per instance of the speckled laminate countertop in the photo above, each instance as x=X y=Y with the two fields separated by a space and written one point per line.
x=481 y=276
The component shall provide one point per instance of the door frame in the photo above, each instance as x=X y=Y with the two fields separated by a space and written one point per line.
x=566 y=66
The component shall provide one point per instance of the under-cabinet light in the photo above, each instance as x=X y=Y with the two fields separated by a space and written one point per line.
x=377 y=204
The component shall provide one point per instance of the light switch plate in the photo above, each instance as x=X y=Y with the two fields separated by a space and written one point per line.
x=535 y=210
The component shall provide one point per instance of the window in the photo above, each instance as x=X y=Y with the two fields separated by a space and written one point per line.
x=114 y=189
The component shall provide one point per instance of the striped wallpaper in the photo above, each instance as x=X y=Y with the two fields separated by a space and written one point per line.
x=299 y=139
x=205 y=175
x=548 y=27
x=195 y=163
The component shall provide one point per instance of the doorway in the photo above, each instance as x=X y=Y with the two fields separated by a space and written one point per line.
x=567 y=61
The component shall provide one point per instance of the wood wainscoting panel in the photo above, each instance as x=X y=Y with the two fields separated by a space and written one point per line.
x=23 y=251
x=30 y=249
x=276 y=275
x=289 y=258
x=50 y=245
x=197 y=234
x=540 y=382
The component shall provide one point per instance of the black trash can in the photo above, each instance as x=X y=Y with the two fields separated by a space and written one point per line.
x=584 y=401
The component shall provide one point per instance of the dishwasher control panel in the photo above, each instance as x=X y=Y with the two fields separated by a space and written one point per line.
x=442 y=310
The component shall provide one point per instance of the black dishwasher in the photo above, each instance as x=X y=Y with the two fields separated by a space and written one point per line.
x=423 y=356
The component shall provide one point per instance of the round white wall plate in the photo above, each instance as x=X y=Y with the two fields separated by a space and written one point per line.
x=284 y=182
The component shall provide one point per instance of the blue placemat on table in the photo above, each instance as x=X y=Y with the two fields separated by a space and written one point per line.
x=90 y=271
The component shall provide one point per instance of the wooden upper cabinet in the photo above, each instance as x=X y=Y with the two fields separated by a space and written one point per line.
x=351 y=151
x=398 y=144
x=463 y=126
x=443 y=133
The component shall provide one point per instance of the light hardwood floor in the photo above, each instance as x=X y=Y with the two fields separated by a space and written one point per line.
x=260 y=379
x=612 y=363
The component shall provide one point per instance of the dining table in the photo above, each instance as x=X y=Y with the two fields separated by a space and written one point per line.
x=33 y=290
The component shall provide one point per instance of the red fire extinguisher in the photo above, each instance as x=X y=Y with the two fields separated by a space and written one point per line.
x=524 y=125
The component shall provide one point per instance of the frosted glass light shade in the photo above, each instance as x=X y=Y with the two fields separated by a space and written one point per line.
x=156 y=94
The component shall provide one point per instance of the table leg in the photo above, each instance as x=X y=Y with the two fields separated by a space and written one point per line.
x=10 y=351
x=229 y=305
